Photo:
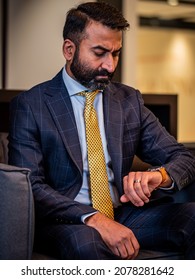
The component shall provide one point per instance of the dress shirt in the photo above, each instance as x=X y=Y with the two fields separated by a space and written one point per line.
x=78 y=103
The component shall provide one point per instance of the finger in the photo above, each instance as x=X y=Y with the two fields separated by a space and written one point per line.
x=116 y=251
x=125 y=250
x=133 y=247
x=130 y=251
x=135 y=178
x=113 y=248
x=133 y=190
x=124 y=198
x=123 y=253
x=129 y=192
x=144 y=185
x=139 y=186
x=136 y=247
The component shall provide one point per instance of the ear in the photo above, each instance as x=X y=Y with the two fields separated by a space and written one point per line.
x=68 y=49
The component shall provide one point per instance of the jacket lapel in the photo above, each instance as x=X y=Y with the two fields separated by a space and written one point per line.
x=114 y=131
x=58 y=101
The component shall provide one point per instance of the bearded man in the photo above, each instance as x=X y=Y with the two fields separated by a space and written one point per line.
x=49 y=135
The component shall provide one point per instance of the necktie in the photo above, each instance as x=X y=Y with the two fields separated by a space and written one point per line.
x=100 y=193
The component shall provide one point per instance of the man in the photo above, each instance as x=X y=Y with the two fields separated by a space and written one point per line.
x=48 y=135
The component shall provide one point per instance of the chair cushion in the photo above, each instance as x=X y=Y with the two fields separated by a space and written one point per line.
x=159 y=255
x=16 y=213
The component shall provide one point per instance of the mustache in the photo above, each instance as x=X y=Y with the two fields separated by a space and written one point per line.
x=103 y=73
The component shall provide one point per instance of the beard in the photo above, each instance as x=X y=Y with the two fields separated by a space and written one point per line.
x=88 y=76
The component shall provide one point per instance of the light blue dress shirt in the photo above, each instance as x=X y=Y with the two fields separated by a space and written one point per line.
x=78 y=103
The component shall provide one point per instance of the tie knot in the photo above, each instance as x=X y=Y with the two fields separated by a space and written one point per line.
x=89 y=95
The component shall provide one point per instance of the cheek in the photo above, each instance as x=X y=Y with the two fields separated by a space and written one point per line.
x=88 y=58
x=91 y=64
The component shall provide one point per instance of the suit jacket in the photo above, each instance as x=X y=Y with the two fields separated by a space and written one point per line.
x=43 y=137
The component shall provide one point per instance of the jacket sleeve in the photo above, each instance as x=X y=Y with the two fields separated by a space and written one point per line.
x=159 y=148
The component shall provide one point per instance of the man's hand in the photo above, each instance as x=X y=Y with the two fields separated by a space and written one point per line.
x=138 y=186
x=117 y=237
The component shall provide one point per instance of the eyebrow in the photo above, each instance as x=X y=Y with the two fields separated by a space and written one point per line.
x=105 y=49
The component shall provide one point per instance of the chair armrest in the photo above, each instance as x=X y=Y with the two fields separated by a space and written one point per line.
x=16 y=213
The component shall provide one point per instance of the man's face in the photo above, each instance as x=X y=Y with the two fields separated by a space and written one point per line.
x=95 y=59
x=86 y=75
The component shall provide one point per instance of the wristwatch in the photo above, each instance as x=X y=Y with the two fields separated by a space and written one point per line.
x=164 y=174
x=162 y=171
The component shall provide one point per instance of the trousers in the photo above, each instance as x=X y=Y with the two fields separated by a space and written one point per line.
x=168 y=226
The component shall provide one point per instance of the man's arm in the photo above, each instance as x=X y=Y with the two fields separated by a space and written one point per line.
x=26 y=150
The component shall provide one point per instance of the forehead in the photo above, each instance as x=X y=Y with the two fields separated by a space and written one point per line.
x=99 y=34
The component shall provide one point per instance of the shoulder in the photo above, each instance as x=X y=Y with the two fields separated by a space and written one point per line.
x=119 y=86
x=37 y=91
x=124 y=93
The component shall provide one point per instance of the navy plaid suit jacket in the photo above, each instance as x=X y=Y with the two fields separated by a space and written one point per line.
x=43 y=137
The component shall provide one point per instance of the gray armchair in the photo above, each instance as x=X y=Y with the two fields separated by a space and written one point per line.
x=16 y=213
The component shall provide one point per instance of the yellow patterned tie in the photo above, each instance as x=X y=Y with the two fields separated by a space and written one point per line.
x=100 y=192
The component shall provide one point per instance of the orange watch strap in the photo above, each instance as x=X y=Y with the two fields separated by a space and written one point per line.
x=163 y=172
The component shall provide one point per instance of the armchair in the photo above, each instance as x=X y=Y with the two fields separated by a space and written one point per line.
x=16 y=213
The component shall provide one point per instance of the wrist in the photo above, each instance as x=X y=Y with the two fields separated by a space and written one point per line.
x=166 y=180
x=86 y=216
x=92 y=220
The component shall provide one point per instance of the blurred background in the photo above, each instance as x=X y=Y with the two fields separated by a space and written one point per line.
x=158 y=54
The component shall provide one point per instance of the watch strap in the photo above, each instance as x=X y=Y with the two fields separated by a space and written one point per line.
x=162 y=171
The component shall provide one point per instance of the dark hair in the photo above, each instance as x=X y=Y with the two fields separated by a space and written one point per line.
x=78 y=18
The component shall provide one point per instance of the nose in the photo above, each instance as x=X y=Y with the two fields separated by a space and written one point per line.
x=109 y=63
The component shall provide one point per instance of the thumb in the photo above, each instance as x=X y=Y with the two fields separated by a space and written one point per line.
x=124 y=198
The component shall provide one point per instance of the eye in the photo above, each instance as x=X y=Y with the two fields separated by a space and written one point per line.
x=99 y=54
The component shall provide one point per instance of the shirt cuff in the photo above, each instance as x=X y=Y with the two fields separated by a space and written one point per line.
x=84 y=217
x=168 y=188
